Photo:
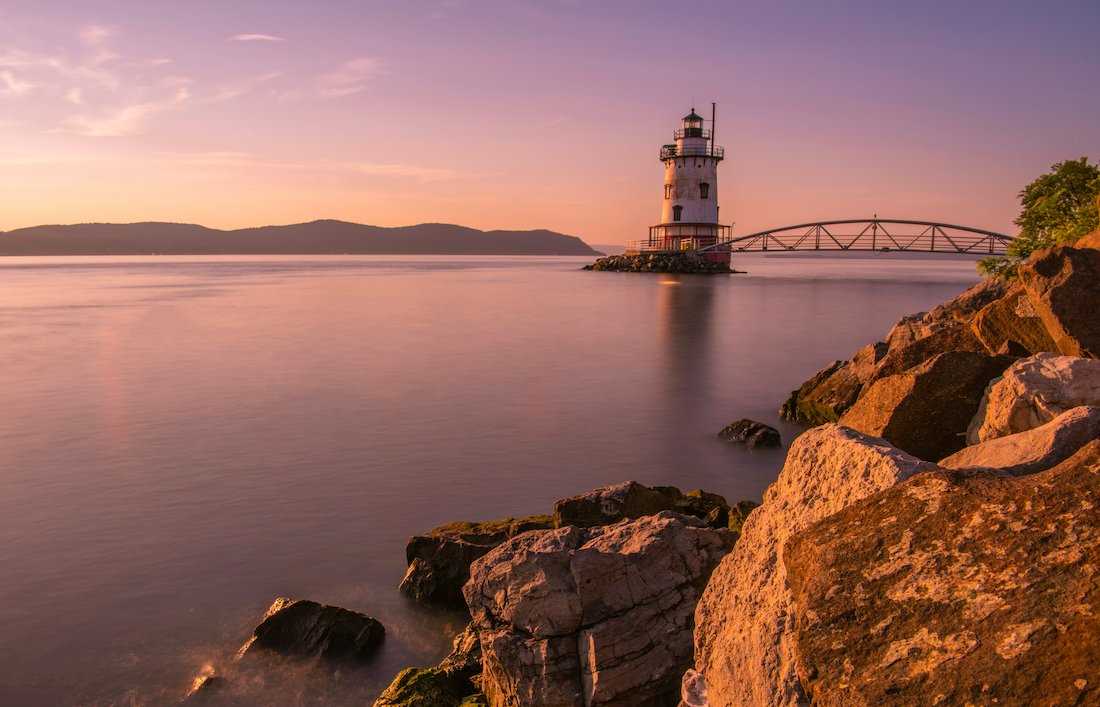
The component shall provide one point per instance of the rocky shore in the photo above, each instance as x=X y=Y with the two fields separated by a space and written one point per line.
x=932 y=539
x=687 y=263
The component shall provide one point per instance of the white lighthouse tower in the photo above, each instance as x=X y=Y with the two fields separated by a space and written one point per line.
x=689 y=207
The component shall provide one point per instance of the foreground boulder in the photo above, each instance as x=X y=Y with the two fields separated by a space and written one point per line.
x=751 y=433
x=301 y=628
x=1012 y=323
x=925 y=410
x=743 y=635
x=610 y=504
x=1034 y=450
x=439 y=562
x=1032 y=392
x=599 y=616
x=1064 y=285
x=955 y=590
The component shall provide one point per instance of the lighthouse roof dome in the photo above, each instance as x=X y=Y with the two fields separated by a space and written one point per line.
x=693 y=116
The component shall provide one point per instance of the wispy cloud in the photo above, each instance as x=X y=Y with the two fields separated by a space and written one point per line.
x=245 y=160
x=256 y=38
x=424 y=174
x=12 y=85
x=127 y=120
x=95 y=35
x=349 y=78
x=230 y=91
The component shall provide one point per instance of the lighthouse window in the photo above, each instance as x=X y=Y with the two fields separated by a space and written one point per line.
x=676 y=211
x=668 y=191
x=704 y=190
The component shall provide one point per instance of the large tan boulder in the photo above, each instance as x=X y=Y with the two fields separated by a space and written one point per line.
x=1012 y=323
x=1032 y=392
x=925 y=410
x=1064 y=285
x=743 y=639
x=954 y=589
x=599 y=616
x=954 y=337
x=962 y=308
x=1034 y=450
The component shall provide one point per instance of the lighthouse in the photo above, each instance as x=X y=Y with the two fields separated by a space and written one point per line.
x=689 y=203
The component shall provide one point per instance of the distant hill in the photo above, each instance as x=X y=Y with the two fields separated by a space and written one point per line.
x=313 y=238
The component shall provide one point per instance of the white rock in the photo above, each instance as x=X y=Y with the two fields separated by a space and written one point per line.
x=1033 y=450
x=743 y=633
x=1032 y=392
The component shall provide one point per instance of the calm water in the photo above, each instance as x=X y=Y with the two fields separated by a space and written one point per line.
x=183 y=439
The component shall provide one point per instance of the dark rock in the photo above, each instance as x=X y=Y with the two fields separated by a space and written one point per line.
x=610 y=504
x=954 y=589
x=1012 y=325
x=1063 y=284
x=751 y=433
x=661 y=262
x=834 y=389
x=307 y=629
x=439 y=562
x=925 y=411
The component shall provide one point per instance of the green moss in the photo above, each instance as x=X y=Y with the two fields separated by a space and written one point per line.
x=425 y=687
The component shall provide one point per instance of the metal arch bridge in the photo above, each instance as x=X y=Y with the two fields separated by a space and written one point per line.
x=873 y=234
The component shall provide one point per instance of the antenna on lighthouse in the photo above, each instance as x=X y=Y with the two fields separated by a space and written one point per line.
x=713 y=125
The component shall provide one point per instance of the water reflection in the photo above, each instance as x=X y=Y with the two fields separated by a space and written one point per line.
x=685 y=324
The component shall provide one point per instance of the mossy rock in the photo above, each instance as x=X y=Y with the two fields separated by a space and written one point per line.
x=426 y=687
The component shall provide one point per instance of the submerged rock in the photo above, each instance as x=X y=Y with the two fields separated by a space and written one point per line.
x=297 y=627
x=597 y=616
x=1034 y=450
x=1032 y=392
x=439 y=562
x=751 y=433
x=953 y=589
x=1063 y=283
x=206 y=688
x=925 y=410
x=743 y=637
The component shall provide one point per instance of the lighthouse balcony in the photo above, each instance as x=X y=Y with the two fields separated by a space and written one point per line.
x=680 y=237
x=672 y=151
x=692 y=132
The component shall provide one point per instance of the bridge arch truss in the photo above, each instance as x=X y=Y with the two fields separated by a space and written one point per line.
x=873 y=234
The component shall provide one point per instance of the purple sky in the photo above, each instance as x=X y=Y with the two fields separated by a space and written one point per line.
x=535 y=114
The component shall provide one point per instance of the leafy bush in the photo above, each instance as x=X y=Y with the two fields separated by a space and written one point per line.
x=1058 y=207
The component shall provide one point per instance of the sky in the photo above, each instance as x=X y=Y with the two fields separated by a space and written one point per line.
x=535 y=114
